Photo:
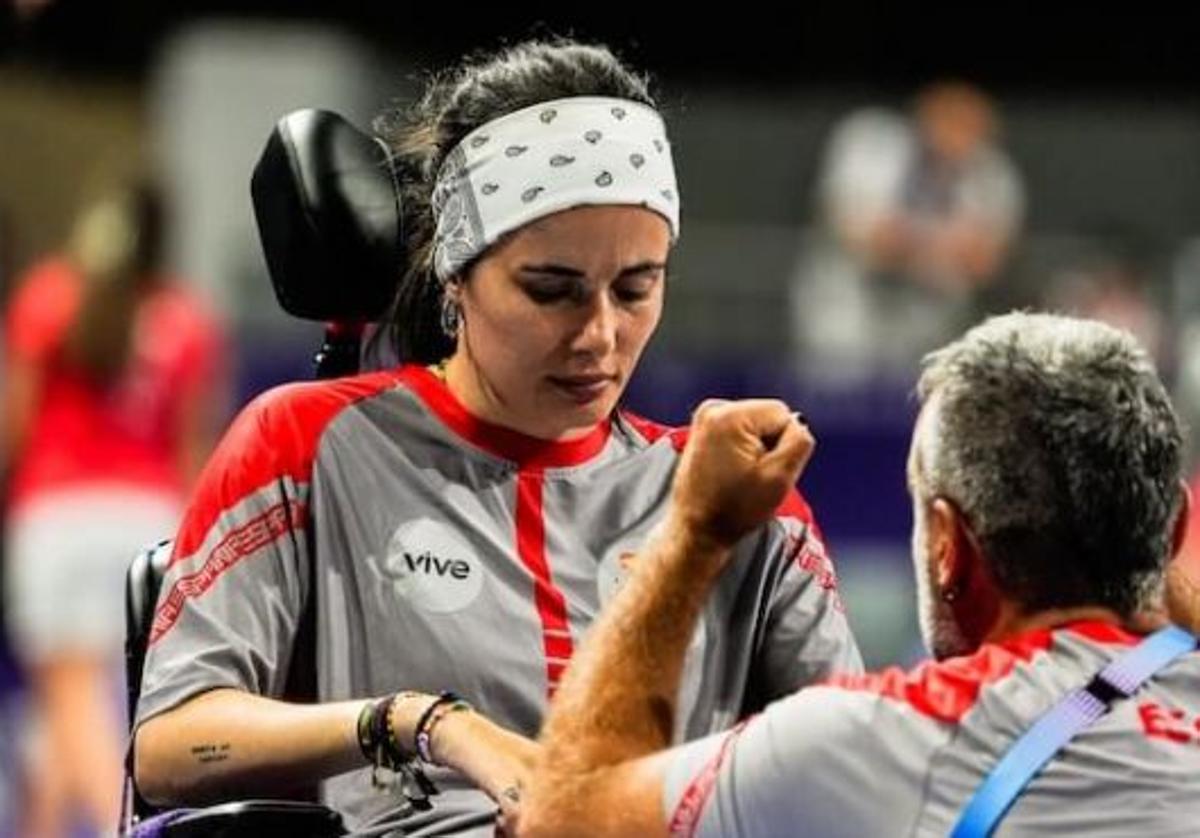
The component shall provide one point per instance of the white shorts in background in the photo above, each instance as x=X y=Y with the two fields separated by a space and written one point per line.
x=67 y=554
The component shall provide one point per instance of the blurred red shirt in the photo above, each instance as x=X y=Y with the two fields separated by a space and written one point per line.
x=129 y=431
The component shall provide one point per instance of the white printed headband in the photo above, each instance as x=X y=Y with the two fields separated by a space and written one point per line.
x=582 y=151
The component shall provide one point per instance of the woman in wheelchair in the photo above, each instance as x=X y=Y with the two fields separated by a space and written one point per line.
x=455 y=522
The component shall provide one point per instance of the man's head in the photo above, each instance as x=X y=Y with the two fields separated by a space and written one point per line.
x=1045 y=472
x=955 y=120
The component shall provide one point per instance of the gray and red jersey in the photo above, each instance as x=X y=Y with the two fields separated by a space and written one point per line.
x=442 y=552
x=900 y=753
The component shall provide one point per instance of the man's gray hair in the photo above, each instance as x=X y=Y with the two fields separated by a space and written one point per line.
x=1056 y=439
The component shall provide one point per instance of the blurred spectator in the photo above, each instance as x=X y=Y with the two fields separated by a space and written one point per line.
x=1113 y=281
x=919 y=214
x=110 y=387
x=9 y=681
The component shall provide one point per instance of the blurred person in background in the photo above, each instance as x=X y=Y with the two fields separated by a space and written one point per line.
x=920 y=212
x=112 y=383
x=10 y=685
x=1114 y=279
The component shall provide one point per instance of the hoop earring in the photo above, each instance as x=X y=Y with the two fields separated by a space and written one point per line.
x=451 y=317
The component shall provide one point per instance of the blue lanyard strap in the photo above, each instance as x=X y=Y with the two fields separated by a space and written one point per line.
x=1074 y=712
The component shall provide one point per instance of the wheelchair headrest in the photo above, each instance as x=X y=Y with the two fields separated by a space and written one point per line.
x=329 y=217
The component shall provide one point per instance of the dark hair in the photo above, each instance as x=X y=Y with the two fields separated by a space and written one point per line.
x=116 y=246
x=454 y=104
x=1056 y=439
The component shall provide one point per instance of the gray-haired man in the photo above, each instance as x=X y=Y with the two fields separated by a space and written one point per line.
x=1045 y=475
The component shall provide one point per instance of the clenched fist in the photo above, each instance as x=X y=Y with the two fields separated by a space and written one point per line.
x=740 y=460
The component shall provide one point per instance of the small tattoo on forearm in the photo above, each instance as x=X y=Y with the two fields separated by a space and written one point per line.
x=211 y=753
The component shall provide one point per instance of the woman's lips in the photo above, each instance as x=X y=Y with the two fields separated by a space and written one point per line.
x=583 y=389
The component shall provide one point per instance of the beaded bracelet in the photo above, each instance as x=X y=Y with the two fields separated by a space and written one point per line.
x=446 y=704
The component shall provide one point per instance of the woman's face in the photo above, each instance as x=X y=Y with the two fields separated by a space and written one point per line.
x=555 y=317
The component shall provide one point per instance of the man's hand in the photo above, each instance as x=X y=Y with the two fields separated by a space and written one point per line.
x=740 y=461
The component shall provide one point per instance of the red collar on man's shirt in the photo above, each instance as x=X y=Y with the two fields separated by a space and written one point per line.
x=947 y=690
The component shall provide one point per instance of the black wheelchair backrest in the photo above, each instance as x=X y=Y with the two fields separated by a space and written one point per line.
x=329 y=215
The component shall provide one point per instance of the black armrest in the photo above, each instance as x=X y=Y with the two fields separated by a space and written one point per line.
x=142 y=582
x=258 y=819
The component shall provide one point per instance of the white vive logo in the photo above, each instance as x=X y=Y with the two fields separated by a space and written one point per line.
x=432 y=567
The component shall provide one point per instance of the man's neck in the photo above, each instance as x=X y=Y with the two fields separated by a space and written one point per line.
x=1012 y=621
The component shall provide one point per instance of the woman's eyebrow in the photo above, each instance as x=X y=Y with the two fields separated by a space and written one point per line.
x=564 y=270
x=552 y=269
x=643 y=267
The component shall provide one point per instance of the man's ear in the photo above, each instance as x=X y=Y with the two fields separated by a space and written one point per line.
x=951 y=547
x=1179 y=530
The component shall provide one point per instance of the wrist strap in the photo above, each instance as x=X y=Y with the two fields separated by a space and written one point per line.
x=392 y=767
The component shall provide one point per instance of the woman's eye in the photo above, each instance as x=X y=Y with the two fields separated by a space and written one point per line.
x=636 y=288
x=547 y=291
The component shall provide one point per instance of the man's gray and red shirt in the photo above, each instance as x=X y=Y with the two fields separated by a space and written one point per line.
x=900 y=753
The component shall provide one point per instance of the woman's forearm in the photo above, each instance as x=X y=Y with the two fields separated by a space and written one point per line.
x=228 y=742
